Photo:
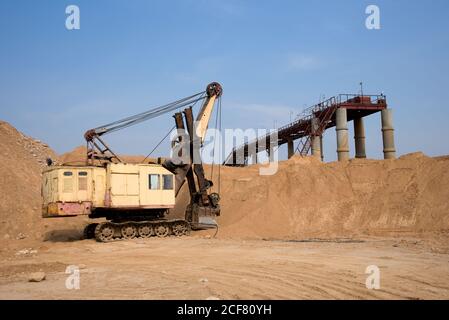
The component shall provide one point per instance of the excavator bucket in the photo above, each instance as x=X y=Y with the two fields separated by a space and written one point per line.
x=202 y=217
x=207 y=223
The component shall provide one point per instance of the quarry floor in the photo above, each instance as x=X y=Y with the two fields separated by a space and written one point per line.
x=198 y=267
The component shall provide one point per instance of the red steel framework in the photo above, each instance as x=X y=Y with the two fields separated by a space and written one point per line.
x=357 y=106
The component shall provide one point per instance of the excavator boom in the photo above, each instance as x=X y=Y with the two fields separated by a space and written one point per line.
x=214 y=91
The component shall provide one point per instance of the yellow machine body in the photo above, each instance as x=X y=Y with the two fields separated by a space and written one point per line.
x=80 y=190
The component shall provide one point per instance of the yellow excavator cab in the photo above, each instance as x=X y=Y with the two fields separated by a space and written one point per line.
x=80 y=190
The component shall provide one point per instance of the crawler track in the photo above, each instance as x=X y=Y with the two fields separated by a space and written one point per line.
x=112 y=231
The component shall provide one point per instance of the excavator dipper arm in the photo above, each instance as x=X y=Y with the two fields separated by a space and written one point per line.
x=202 y=204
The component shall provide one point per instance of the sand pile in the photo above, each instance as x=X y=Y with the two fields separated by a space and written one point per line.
x=75 y=157
x=21 y=161
x=78 y=157
x=307 y=198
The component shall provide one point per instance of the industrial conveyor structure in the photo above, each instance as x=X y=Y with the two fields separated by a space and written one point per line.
x=311 y=124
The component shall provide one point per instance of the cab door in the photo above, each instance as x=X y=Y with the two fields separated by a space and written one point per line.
x=150 y=185
x=156 y=187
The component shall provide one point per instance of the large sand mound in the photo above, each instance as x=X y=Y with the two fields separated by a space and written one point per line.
x=307 y=198
x=22 y=159
x=304 y=199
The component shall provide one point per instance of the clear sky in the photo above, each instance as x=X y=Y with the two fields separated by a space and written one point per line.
x=273 y=58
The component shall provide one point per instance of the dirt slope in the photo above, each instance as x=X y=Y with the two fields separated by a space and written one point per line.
x=307 y=198
x=21 y=159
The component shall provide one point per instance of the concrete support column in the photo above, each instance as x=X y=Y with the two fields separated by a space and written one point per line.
x=342 y=134
x=291 y=150
x=359 y=137
x=316 y=140
x=321 y=148
x=388 y=134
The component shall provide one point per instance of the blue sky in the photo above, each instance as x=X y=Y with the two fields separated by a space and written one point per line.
x=272 y=58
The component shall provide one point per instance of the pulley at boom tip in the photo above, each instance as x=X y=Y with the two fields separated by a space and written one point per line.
x=214 y=88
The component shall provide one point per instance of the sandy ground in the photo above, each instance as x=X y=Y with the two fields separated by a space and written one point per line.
x=199 y=268
x=399 y=208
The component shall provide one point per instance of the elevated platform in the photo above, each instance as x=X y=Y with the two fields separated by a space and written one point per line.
x=357 y=106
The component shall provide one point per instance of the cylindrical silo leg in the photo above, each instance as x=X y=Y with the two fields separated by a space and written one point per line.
x=321 y=148
x=291 y=150
x=342 y=134
x=359 y=137
x=388 y=134
x=316 y=144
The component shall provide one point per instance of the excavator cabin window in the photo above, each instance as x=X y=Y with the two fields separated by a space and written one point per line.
x=153 y=181
x=168 y=181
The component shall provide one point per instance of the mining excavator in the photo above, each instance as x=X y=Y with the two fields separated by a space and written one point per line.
x=134 y=199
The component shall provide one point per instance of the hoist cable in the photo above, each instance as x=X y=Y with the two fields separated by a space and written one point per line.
x=165 y=137
x=155 y=109
x=160 y=142
x=128 y=121
x=219 y=146
x=215 y=144
x=149 y=116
